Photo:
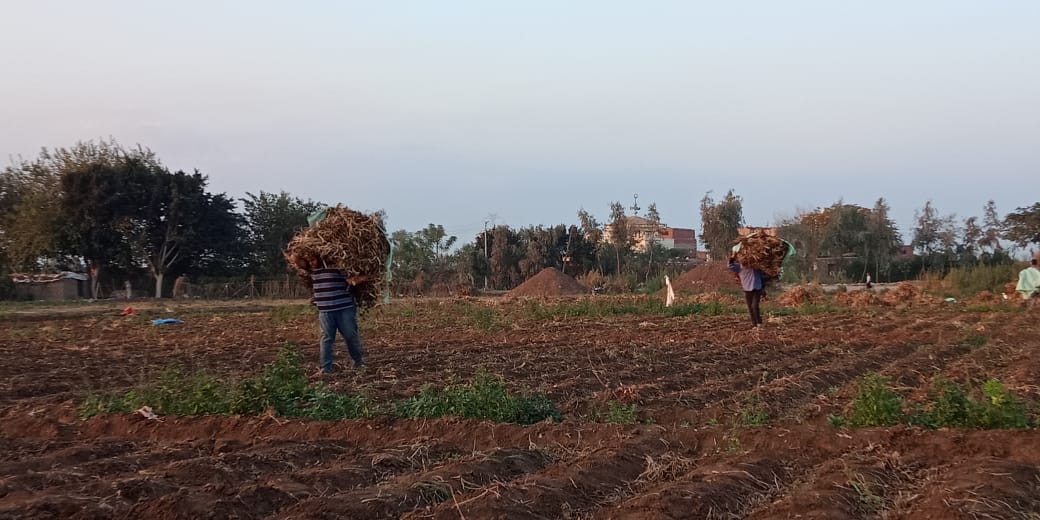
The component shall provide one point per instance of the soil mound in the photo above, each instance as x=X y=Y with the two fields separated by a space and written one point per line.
x=907 y=294
x=550 y=282
x=858 y=299
x=801 y=295
x=708 y=277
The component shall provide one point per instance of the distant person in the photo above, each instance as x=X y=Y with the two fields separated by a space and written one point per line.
x=129 y=289
x=751 y=280
x=180 y=287
x=869 y=284
x=337 y=311
x=1029 y=282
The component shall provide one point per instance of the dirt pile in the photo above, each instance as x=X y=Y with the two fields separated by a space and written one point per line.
x=801 y=295
x=708 y=277
x=550 y=282
x=858 y=299
x=986 y=297
x=907 y=294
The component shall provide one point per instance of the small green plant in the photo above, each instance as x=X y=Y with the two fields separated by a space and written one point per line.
x=867 y=498
x=323 y=405
x=613 y=412
x=733 y=444
x=951 y=405
x=484 y=397
x=753 y=412
x=876 y=404
x=976 y=339
x=281 y=387
x=948 y=405
x=1000 y=409
x=484 y=319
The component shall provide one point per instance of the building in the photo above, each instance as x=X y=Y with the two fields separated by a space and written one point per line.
x=642 y=230
x=60 y=286
x=682 y=239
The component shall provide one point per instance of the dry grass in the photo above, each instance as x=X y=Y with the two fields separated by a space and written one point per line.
x=351 y=241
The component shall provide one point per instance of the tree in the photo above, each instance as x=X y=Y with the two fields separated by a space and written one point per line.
x=504 y=257
x=926 y=233
x=177 y=223
x=815 y=225
x=720 y=223
x=992 y=229
x=30 y=199
x=436 y=239
x=99 y=202
x=971 y=238
x=271 y=221
x=593 y=235
x=935 y=236
x=1022 y=226
x=883 y=240
x=620 y=235
x=654 y=218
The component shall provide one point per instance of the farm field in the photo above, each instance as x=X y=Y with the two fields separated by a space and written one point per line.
x=666 y=414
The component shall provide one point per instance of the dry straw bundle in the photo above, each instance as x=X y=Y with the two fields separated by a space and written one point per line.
x=761 y=251
x=350 y=241
x=801 y=295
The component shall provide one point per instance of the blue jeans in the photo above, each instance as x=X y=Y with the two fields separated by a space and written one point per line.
x=344 y=321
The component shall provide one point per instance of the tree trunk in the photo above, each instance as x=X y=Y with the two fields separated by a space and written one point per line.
x=158 y=285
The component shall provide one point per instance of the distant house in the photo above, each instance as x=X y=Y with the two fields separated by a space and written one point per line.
x=64 y=285
x=643 y=231
x=906 y=251
x=678 y=238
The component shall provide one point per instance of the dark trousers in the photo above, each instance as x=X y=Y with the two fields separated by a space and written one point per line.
x=754 y=301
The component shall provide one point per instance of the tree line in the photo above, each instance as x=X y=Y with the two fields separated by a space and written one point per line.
x=120 y=214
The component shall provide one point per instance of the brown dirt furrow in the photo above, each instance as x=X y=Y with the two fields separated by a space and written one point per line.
x=423 y=489
x=574 y=485
x=985 y=487
x=719 y=490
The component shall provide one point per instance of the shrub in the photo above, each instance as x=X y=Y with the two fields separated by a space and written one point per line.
x=968 y=281
x=1000 y=409
x=875 y=403
x=951 y=406
x=614 y=412
x=754 y=412
x=484 y=397
x=281 y=386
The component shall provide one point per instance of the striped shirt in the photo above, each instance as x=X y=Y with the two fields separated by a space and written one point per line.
x=331 y=292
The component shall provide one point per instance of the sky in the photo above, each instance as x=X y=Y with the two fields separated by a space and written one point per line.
x=521 y=113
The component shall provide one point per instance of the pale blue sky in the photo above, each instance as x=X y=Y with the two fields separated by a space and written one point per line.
x=448 y=112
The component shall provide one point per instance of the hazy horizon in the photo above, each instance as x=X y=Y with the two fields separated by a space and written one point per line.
x=456 y=111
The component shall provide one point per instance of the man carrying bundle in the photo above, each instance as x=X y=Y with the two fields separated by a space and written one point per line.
x=757 y=258
x=343 y=256
x=751 y=280
x=337 y=310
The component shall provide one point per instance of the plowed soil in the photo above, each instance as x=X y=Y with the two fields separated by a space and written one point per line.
x=690 y=456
